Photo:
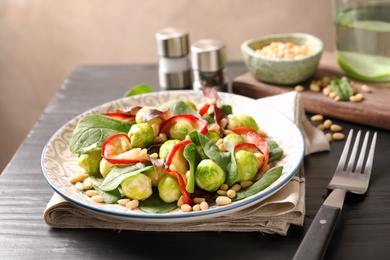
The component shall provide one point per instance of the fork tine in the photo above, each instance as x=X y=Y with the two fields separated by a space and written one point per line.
x=344 y=154
x=353 y=153
x=370 y=159
x=359 y=165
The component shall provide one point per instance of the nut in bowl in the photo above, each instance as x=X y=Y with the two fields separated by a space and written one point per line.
x=284 y=59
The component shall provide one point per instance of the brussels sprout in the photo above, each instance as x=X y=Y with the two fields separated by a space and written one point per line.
x=169 y=189
x=209 y=176
x=139 y=117
x=141 y=135
x=232 y=139
x=243 y=120
x=180 y=130
x=90 y=161
x=191 y=104
x=166 y=147
x=155 y=175
x=247 y=165
x=213 y=136
x=138 y=186
x=105 y=167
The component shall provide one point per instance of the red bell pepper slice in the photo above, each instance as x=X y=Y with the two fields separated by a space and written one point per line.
x=117 y=144
x=198 y=124
x=121 y=116
x=253 y=137
x=250 y=148
x=176 y=150
x=125 y=114
x=203 y=110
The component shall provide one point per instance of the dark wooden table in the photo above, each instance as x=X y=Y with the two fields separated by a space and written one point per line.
x=363 y=230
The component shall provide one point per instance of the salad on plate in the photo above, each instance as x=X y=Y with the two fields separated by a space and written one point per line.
x=179 y=155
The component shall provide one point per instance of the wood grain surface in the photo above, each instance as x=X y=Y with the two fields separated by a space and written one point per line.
x=374 y=110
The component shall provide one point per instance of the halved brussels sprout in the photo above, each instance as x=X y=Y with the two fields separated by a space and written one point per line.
x=138 y=186
x=166 y=147
x=139 y=118
x=169 y=189
x=155 y=175
x=90 y=161
x=232 y=139
x=243 y=120
x=105 y=167
x=209 y=176
x=213 y=136
x=247 y=165
x=141 y=135
x=180 y=130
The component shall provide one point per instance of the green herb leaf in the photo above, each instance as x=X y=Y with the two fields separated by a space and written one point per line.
x=138 y=90
x=92 y=130
x=193 y=159
x=155 y=205
x=266 y=180
x=275 y=152
x=110 y=197
x=342 y=87
x=118 y=174
x=179 y=107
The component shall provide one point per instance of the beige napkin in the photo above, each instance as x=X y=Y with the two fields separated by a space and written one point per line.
x=273 y=215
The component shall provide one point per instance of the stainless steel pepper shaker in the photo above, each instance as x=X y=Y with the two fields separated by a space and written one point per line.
x=209 y=64
x=174 y=64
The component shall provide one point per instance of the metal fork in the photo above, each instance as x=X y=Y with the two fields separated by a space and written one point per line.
x=347 y=178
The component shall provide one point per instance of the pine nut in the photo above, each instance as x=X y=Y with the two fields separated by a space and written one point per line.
x=231 y=193
x=329 y=137
x=79 y=186
x=186 y=208
x=317 y=118
x=123 y=202
x=153 y=156
x=88 y=184
x=245 y=184
x=321 y=127
x=236 y=187
x=314 y=87
x=196 y=207
x=326 y=91
x=97 y=198
x=222 y=147
x=332 y=94
x=78 y=178
x=198 y=200
x=204 y=205
x=91 y=193
x=172 y=167
x=366 y=88
x=180 y=202
x=336 y=128
x=224 y=187
x=338 y=136
x=210 y=110
x=221 y=192
x=299 y=88
x=132 y=204
x=223 y=200
x=327 y=123
x=336 y=98
x=156 y=129
x=223 y=123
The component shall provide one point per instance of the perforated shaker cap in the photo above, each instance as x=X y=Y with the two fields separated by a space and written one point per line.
x=172 y=42
x=208 y=55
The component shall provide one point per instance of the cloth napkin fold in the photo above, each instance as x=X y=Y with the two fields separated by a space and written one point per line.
x=273 y=215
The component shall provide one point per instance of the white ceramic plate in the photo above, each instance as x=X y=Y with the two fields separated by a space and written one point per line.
x=59 y=164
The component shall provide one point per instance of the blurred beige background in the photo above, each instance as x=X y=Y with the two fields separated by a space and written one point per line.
x=41 y=41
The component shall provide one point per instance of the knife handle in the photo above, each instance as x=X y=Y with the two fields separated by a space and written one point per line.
x=315 y=242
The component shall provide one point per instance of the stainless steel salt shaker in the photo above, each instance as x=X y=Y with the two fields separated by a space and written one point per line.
x=174 y=64
x=209 y=64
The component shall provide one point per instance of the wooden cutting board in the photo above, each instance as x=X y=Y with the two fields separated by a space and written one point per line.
x=374 y=110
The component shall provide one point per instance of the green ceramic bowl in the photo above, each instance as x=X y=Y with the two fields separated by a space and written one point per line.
x=285 y=71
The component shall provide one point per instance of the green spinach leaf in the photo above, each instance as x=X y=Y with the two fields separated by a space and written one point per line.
x=118 y=174
x=155 y=205
x=275 y=152
x=266 y=180
x=110 y=197
x=193 y=159
x=179 y=107
x=92 y=130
